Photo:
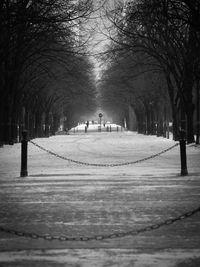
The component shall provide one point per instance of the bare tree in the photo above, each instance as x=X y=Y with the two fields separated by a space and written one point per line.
x=34 y=34
x=168 y=32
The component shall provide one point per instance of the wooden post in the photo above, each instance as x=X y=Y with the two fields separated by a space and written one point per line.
x=24 y=145
x=182 y=141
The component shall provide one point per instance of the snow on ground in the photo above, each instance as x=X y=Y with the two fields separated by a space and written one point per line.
x=107 y=127
x=60 y=197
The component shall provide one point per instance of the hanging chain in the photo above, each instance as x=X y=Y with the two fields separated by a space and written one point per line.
x=106 y=236
x=102 y=237
x=103 y=165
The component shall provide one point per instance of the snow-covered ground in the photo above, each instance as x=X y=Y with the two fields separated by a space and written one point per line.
x=63 y=197
x=96 y=127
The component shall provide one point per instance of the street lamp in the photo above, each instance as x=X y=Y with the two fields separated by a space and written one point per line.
x=100 y=116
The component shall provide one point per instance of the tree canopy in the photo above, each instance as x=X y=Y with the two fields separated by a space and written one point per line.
x=45 y=73
x=164 y=36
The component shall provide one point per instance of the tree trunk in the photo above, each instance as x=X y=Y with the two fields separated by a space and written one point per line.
x=190 y=126
x=46 y=124
x=197 y=114
x=2 y=126
x=38 y=124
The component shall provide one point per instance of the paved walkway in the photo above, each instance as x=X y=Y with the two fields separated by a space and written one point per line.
x=64 y=199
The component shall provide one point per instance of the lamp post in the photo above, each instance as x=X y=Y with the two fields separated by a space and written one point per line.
x=100 y=116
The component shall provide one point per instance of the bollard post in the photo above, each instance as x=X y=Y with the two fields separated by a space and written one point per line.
x=182 y=142
x=24 y=145
x=110 y=129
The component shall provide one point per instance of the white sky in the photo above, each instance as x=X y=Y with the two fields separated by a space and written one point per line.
x=99 y=24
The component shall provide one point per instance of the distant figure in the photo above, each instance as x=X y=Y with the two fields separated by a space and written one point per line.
x=87 y=124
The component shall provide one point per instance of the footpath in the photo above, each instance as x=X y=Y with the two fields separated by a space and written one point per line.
x=100 y=199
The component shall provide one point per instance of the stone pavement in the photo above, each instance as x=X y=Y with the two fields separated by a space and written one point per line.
x=64 y=199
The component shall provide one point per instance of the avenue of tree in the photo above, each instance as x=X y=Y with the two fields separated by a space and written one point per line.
x=153 y=65
x=45 y=74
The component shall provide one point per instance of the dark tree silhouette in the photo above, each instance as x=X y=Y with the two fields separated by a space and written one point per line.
x=168 y=32
x=36 y=37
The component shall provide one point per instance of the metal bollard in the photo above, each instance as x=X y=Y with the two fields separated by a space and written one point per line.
x=182 y=142
x=24 y=145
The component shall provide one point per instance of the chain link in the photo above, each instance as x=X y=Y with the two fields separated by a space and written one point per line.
x=107 y=236
x=103 y=165
x=63 y=238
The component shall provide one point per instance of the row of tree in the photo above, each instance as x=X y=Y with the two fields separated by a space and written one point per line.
x=45 y=74
x=126 y=86
x=154 y=65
